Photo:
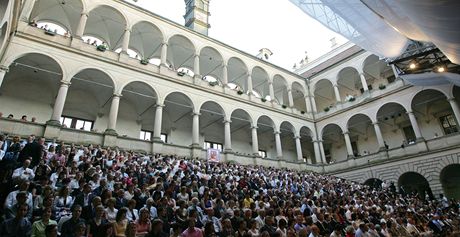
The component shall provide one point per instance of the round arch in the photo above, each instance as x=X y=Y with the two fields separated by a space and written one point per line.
x=334 y=143
x=349 y=83
x=362 y=135
x=414 y=183
x=241 y=123
x=394 y=122
x=280 y=90
x=211 y=63
x=106 y=23
x=66 y=15
x=324 y=95
x=237 y=74
x=298 y=97
x=374 y=183
x=260 y=81
x=147 y=39
x=377 y=72
x=266 y=138
x=181 y=52
x=288 y=144
x=450 y=180
x=306 y=139
x=177 y=119
x=212 y=116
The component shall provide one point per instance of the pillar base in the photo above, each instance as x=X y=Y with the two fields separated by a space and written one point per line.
x=111 y=132
x=196 y=152
x=382 y=149
x=351 y=157
x=157 y=145
x=110 y=140
x=53 y=129
x=197 y=80
x=228 y=151
x=123 y=57
x=421 y=144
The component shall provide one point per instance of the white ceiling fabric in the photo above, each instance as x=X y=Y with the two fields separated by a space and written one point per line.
x=432 y=79
x=384 y=27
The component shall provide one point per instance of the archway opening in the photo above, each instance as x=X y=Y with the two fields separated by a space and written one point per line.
x=260 y=82
x=241 y=132
x=146 y=39
x=108 y=24
x=377 y=72
x=362 y=135
x=211 y=125
x=266 y=137
x=349 y=83
x=181 y=52
x=324 y=95
x=374 y=183
x=177 y=119
x=412 y=183
x=298 y=97
x=280 y=90
x=211 y=64
x=288 y=141
x=63 y=17
x=395 y=125
x=306 y=139
x=450 y=181
x=334 y=143
x=237 y=74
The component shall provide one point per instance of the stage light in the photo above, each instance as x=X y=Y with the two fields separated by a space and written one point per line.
x=412 y=65
x=441 y=69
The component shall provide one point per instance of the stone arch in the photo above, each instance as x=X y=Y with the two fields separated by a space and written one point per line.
x=3 y=7
x=362 y=135
x=306 y=139
x=288 y=144
x=247 y=116
x=260 y=80
x=237 y=74
x=376 y=72
x=280 y=89
x=413 y=182
x=212 y=116
x=450 y=180
x=177 y=118
x=323 y=92
x=10 y=60
x=266 y=128
x=394 y=122
x=111 y=31
x=298 y=96
x=3 y=34
x=211 y=63
x=241 y=134
x=181 y=52
x=147 y=39
x=42 y=74
x=349 y=83
x=333 y=143
x=66 y=15
x=375 y=183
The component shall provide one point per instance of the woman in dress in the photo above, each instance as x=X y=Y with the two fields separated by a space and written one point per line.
x=121 y=223
x=143 y=223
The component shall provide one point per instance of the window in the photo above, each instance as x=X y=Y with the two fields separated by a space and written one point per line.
x=448 y=124
x=410 y=134
x=164 y=137
x=263 y=153
x=213 y=145
x=145 y=135
x=77 y=123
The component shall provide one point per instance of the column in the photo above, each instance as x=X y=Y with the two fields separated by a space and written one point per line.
x=196 y=130
x=249 y=85
x=279 y=151
x=290 y=99
x=81 y=25
x=255 y=141
x=313 y=104
x=196 y=67
x=60 y=101
x=337 y=93
x=3 y=71
x=224 y=75
x=323 y=154
x=298 y=147
x=164 y=54
x=318 y=157
x=346 y=134
x=157 y=122
x=271 y=91
x=379 y=136
x=413 y=122
x=227 y=136
x=364 y=82
x=307 y=104
x=113 y=113
x=126 y=38
x=452 y=103
x=27 y=10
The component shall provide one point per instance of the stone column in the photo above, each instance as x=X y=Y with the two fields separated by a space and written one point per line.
x=454 y=105
x=379 y=136
x=255 y=141
x=413 y=122
x=337 y=93
x=298 y=147
x=81 y=25
x=290 y=99
x=157 y=122
x=59 y=103
x=196 y=130
x=125 y=44
x=224 y=75
x=279 y=150
x=313 y=103
x=323 y=154
x=307 y=104
x=164 y=54
x=27 y=10
x=346 y=134
x=111 y=127
x=249 y=84
x=227 y=136
x=318 y=156
x=3 y=71
x=364 y=82
x=271 y=91
x=196 y=66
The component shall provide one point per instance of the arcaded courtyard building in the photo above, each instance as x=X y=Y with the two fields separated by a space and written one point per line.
x=110 y=73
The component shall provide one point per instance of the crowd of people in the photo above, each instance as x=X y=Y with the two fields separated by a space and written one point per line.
x=58 y=189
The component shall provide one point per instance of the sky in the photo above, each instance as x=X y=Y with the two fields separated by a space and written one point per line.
x=250 y=25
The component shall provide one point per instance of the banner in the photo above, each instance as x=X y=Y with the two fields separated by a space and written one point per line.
x=213 y=155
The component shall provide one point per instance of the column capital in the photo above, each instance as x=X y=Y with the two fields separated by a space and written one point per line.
x=117 y=95
x=65 y=83
x=270 y=83
x=335 y=85
x=375 y=123
x=165 y=43
x=4 y=68
x=84 y=14
x=127 y=29
x=296 y=137
x=227 y=121
x=317 y=141
x=159 y=105
x=254 y=127
x=409 y=112
x=451 y=99
x=277 y=132
x=195 y=113
x=346 y=132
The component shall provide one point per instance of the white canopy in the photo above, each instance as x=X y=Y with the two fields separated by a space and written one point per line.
x=384 y=27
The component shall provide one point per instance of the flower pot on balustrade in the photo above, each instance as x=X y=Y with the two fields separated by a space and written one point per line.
x=144 y=61
x=49 y=32
x=101 y=48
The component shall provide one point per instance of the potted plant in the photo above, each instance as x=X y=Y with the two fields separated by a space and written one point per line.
x=284 y=106
x=213 y=83
x=351 y=99
x=263 y=99
x=382 y=86
x=181 y=73
x=302 y=112
x=50 y=32
x=326 y=109
x=145 y=61
x=239 y=92
x=101 y=47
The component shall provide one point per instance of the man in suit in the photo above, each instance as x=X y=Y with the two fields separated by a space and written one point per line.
x=34 y=150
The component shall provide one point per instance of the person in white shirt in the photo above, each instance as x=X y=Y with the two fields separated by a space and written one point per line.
x=11 y=198
x=24 y=172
